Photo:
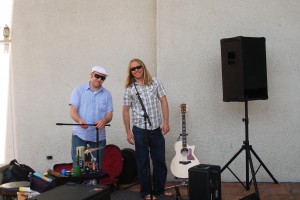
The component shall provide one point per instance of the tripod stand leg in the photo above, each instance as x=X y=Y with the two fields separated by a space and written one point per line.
x=228 y=163
x=264 y=166
x=178 y=196
x=253 y=173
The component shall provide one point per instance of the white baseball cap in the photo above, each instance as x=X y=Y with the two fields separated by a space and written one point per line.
x=100 y=70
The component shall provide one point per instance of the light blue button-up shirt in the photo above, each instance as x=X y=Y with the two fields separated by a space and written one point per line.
x=91 y=107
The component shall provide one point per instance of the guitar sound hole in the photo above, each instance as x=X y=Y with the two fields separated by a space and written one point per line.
x=184 y=151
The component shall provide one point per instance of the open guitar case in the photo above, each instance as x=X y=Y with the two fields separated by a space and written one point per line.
x=119 y=167
x=112 y=166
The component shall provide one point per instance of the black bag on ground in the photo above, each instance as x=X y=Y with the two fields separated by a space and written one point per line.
x=16 y=172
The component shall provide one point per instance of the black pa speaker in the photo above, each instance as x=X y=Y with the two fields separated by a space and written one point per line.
x=244 y=69
x=205 y=182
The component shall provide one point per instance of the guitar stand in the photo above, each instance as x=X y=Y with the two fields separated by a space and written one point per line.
x=248 y=148
x=178 y=195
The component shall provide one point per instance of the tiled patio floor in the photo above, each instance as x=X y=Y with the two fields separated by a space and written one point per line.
x=235 y=191
x=267 y=191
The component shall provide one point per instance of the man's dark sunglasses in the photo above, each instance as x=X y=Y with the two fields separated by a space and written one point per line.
x=97 y=76
x=134 y=68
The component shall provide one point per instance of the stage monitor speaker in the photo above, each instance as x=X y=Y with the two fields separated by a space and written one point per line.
x=244 y=69
x=205 y=182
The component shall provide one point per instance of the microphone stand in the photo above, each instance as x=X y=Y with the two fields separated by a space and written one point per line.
x=97 y=137
x=146 y=118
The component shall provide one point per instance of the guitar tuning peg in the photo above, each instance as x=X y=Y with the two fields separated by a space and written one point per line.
x=183 y=107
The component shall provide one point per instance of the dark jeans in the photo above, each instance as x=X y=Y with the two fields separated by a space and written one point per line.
x=152 y=142
x=76 y=141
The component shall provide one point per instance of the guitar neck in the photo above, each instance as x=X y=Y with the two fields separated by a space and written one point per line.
x=184 y=140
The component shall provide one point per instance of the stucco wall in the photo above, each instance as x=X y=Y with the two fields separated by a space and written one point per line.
x=189 y=62
x=55 y=44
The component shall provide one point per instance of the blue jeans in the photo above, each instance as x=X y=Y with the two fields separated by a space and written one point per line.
x=150 y=142
x=76 y=141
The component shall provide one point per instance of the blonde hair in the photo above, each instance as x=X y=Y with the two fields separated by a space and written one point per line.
x=147 y=76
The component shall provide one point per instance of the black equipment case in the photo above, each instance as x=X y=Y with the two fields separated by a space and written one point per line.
x=205 y=182
x=75 y=192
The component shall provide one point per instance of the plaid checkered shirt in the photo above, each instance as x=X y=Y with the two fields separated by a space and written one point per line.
x=150 y=95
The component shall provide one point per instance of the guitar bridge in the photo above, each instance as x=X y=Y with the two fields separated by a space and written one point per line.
x=184 y=162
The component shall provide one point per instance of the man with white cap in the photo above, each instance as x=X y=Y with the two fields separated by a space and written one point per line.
x=91 y=103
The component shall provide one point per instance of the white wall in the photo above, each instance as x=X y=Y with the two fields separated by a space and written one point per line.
x=189 y=62
x=55 y=44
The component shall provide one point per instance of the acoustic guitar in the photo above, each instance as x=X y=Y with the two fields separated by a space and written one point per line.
x=184 y=157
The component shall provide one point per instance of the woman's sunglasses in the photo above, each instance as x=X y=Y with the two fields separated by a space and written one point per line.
x=134 y=68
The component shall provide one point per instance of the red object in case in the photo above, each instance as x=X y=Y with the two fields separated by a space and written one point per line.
x=112 y=164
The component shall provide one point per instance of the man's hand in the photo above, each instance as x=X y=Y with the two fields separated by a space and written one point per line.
x=83 y=124
x=101 y=123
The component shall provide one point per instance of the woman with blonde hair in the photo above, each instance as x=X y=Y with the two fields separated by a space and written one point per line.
x=147 y=99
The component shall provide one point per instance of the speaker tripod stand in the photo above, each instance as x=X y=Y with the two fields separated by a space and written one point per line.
x=248 y=149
